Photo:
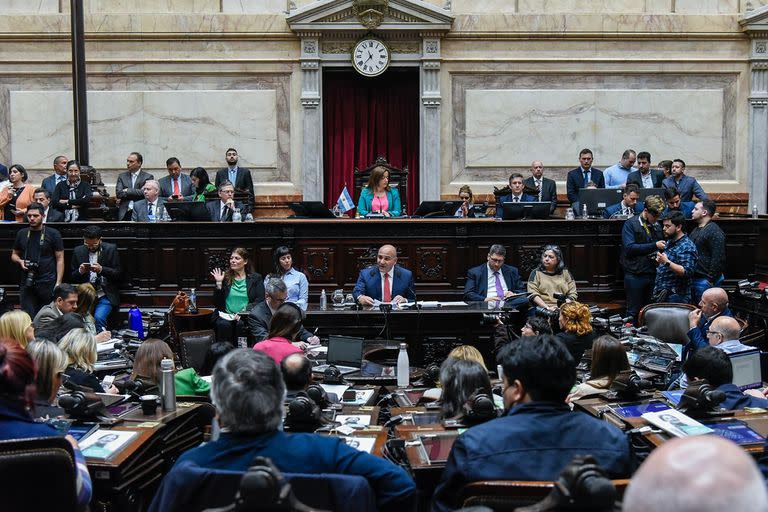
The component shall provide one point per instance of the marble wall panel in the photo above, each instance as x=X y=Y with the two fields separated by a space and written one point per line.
x=196 y=126
x=501 y=123
x=29 y=6
x=259 y=6
x=510 y=128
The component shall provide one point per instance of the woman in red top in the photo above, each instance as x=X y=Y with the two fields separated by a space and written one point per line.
x=283 y=330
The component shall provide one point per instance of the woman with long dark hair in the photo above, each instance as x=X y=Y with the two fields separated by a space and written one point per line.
x=201 y=183
x=236 y=289
x=284 y=329
x=378 y=196
x=294 y=279
x=20 y=194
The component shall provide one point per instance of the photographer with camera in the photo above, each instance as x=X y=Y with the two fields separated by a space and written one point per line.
x=39 y=251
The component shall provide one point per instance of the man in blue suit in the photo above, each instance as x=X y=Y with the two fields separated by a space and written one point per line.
x=579 y=177
x=494 y=280
x=687 y=186
x=516 y=194
x=538 y=435
x=713 y=304
x=177 y=185
x=59 y=174
x=628 y=206
x=384 y=282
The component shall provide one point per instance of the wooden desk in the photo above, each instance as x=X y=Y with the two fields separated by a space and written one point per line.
x=128 y=481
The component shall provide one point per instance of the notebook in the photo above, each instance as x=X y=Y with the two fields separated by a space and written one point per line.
x=344 y=352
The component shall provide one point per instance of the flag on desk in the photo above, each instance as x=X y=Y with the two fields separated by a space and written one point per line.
x=345 y=201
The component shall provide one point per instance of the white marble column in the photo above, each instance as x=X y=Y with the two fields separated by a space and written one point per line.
x=312 y=118
x=431 y=99
x=758 y=127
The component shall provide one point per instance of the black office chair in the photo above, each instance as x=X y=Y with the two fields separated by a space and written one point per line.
x=194 y=345
x=26 y=464
x=666 y=321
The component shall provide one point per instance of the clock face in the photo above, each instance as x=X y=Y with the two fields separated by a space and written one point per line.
x=370 y=57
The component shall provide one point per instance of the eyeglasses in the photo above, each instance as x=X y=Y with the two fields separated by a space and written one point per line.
x=714 y=332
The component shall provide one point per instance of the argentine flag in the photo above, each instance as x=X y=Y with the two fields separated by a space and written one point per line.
x=345 y=201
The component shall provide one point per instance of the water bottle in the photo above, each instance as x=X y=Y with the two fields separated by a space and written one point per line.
x=192 y=301
x=167 y=385
x=569 y=213
x=151 y=218
x=584 y=214
x=755 y=212
x=135 y=321
x=165 y=217
x=403 y=367
x=249 y=218
x=323 y=299
x=237 y=216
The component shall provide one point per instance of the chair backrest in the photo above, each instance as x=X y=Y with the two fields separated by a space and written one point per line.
x=28 y=466
x=194 y=346
x=667 y=322
x=507 y=495
x=398 y=178
x=190 y=488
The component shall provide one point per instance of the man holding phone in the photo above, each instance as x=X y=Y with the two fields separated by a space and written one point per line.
x=177 y=186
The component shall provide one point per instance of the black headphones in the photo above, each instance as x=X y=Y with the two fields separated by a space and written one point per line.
x=332 y=375
x=479 y=408
x=303 y=414
x=318 y=395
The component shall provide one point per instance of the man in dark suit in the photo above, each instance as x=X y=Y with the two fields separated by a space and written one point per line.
x=177 y=185
x=240 y=177
x=130 y=184
x=516 y=194
x=644 y=176
x=59 y=174
x=222 y=210
x=494 y=280
x=579 y=177
x=547 y=188
x=627 y=207
x=672 y=198
x=152 y=207
x=386 y=281
x=43 y=197
x=98 y=263
x=275 y=293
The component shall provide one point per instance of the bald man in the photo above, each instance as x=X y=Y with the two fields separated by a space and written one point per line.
x=384 y=282
x=723 y=334
x=697 y=474
x=547 y=188
x=713 y=303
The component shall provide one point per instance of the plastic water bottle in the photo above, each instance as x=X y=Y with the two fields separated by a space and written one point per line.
x=569 y=213
x=249 y=218
x=193 y=301
x=167 y=385
x=237 y=216
x=584 y=214
x=323 y=299
x=135 y=321
x=755 y=212
x=403 y=367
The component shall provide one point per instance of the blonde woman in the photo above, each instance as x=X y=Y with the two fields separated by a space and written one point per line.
x=86 y=301
x=80 y=347
x=468 y=353
x=51 y=362
x=17 y=325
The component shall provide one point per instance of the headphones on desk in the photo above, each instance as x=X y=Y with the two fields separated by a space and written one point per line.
x=317 y=394
x=332 y=375
x=303 y=414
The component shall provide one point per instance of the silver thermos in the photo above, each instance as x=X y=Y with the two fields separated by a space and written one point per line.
x=167 y=385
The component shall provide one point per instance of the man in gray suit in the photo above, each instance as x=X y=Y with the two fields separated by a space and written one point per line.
x=64 y=301
x=177 y=185
x=151 y=207
x=130 y=184
x=222 y=210
x=239 y=176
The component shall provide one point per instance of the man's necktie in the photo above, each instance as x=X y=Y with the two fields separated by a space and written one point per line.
x=223 y=215
x=586 y=178
x=538 y=186
x=149 y=209
x=627 y=211
x=515 y=199
x=387 y=289
x=499 y=289
x=176 y=190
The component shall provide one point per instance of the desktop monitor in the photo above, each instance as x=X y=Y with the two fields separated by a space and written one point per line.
x=746 y=369
x=598 y=199
x=311 y=210
x=187 y=211
x=437 y=208
x=537 y=210
x=643 y=193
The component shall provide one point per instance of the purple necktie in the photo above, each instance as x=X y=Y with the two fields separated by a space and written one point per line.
x=499 y=289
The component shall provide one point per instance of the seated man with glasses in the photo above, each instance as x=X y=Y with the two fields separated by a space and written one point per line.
x=723 y=334
x=276 y=293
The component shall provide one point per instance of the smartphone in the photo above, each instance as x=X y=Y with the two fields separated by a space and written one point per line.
x=349 y=396
x=87 y=266
x=107 y=382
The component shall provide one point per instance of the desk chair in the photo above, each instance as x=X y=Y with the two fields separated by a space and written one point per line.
x=667 y=322
x=193 y=347
x=507 y=495
x=398 y=178
x=26 y=464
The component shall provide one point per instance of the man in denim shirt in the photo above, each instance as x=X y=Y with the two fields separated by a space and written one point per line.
x=676 y=263
x=686 y=185
x=538 y=435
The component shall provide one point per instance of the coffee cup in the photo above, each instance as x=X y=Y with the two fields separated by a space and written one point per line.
x=149 y=403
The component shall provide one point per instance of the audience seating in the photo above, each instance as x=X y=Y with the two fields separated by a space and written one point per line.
x=507 y=495
x=667 y=322
x=193 y=347
x=28 y=464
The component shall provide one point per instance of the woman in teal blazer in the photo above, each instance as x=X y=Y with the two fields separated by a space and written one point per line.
x=377 y=196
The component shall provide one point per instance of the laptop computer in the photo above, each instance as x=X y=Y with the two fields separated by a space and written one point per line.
x=344 y=352
x=746 y=369
x=534 y=210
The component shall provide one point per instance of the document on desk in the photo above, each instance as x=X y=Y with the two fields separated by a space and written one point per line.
x=336 y=389
x=432 y=304
x=364 y=444
x=105 y=444
x=676 y=423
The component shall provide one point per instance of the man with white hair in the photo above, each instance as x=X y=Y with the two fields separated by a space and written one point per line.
x=151 y=207
x=697 y=474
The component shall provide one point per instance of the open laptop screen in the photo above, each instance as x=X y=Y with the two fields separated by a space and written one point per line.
x=345 y=350
x=746 y=369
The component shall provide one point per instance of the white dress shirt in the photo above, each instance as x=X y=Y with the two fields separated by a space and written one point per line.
x=491 y=293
